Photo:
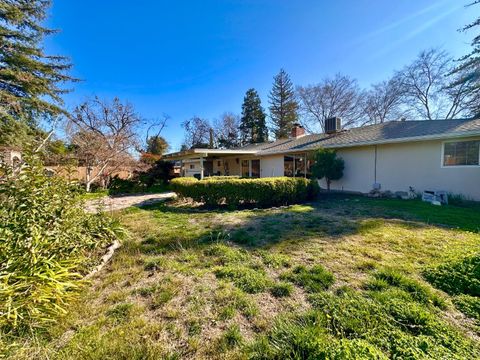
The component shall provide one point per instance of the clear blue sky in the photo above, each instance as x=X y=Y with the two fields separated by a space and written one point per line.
x=188 y=58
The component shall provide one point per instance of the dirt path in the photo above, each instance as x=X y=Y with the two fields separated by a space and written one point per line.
x=120 y=202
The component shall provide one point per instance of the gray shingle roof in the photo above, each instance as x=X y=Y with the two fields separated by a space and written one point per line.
x=388 y=132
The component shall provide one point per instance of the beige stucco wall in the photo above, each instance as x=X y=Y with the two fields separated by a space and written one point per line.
x=416 y=164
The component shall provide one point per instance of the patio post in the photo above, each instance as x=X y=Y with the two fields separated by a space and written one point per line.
x=201 y=168
x=305 y=166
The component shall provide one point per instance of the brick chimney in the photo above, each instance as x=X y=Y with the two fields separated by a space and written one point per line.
x=297 y=131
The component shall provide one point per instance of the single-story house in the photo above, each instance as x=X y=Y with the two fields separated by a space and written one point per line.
x=426 y=155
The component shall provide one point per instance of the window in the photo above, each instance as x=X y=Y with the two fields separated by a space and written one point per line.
x=295 y=166
x=256 y=168
x=245 y=168
x=461 y=153
x=219 y=163
x=288 y=166
x=192 y=166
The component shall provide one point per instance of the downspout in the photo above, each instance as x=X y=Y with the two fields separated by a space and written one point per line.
x=375 y=166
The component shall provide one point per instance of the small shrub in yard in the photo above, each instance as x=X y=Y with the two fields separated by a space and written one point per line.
x=234 y=192
x=46 y=239
x=312 y=279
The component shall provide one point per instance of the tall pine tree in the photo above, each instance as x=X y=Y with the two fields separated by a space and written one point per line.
x=468 y=72
x=283 y=105
x=30 y=80
x=253 y=126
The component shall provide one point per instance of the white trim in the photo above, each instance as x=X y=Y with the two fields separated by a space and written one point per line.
x=442 y=163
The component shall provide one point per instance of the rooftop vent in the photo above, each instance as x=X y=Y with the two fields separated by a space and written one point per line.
x=333 y=125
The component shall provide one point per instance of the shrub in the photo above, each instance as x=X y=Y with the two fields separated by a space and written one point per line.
x=125 y=186
x=46 y=239
x=327 y=165
x=234 y=191
x=313 y=279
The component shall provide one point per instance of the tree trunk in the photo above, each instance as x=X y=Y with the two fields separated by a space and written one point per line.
x=328 y=184
x=87 y=180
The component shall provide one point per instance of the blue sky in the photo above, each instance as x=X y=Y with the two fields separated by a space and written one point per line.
x=186 y=58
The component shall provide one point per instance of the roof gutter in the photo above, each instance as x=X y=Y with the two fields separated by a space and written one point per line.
x=199 y=152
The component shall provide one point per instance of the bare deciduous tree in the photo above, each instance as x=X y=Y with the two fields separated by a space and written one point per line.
x=384 y=102
x=104 y=134
x=197 y=133
x=338 y=96
x=226 y=130
x=425 y=86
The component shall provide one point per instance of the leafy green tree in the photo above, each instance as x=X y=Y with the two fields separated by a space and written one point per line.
x=157 y=145
x=468 y=72
x=253 y=127
x=283 y=105
x=31 y=82
x=328 y=165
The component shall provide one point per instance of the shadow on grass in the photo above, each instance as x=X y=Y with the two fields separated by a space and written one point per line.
x=331 y=218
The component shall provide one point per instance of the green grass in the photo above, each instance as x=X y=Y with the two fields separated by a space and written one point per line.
x=94 y=195
x=313 y=279
x=344 y=278
x=247 y=279
x=281 y=289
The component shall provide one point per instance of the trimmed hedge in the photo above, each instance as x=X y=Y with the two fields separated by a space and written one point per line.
x=236 y=191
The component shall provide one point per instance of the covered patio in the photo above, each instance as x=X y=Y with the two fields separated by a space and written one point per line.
x=202 y=163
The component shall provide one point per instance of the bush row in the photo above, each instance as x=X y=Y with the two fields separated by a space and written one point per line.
x=235 y=191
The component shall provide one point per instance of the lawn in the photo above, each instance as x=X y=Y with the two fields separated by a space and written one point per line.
x=340 y=278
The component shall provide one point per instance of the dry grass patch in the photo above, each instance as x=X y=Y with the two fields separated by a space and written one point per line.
x=207 y=284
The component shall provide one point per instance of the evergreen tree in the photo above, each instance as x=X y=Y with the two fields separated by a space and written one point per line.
x=468 y=72
x=283 y=105
x=253 y=126
x=30 y=80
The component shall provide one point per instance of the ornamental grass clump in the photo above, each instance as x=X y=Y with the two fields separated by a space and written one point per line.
x=46 y=243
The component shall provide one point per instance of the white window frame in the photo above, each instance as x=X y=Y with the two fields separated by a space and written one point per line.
x=442 y=163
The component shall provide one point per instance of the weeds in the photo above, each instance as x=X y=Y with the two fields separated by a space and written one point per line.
x=245 y=278
x=313 y=279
